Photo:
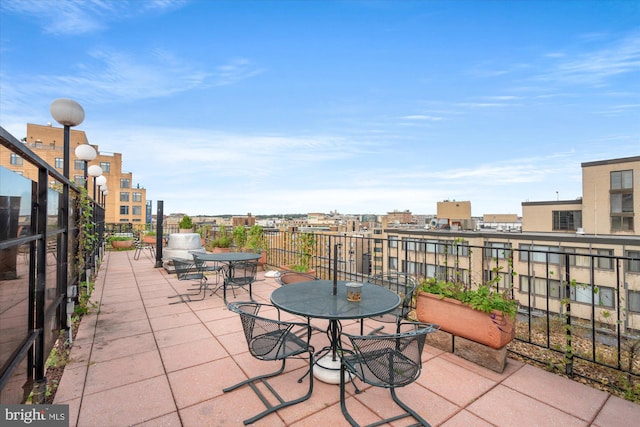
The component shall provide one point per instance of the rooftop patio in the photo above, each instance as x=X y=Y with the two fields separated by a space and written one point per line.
x=139 y=361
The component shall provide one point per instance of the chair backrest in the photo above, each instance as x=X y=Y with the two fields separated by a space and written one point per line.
x=401 y=283
x=288 y=277
x=388 y=360
x=185 y=269
x=269 y=339
x=242 y=273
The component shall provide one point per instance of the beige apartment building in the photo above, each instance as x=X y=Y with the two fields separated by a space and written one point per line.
x=576 y=240
x=124 y=203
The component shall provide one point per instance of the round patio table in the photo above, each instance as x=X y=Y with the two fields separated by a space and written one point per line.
x=315 y=299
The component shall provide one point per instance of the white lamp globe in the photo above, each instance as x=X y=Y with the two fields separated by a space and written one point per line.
x=86 y=152
x=101 y=180
x=95 y=171
x=67 y=112
x=105 y=192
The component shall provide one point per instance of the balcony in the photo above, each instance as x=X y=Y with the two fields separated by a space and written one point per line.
x=137 y=360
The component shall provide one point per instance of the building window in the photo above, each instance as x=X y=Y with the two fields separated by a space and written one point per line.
x=78 y=165
x=621 y=200
x=124 y=210
x=125 y=183
x=137 y=197
x=567 y=220
x=539 y=253
x=393 y=241
x=393 y=263
x=16 y=160
x=124 y=196
x=497 y=250
x=59 y=163
x=538 y=286
x=634 y=301
x=136 y=210
x=604 y=297
x=78 y=179
x=633 y=265
x=106 y=167
x=601 y=258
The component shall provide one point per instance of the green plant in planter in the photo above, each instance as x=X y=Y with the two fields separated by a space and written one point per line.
x=239 y=234
x=481 y=297
x=185 y=223
x=256 y=240
x=223 y=239
x=305 y=244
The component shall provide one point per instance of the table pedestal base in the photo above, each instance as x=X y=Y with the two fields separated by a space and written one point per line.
x=327 y=370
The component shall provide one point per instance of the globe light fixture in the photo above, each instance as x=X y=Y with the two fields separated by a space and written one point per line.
x=86 y=153
x=68 y=113
x=95 y=171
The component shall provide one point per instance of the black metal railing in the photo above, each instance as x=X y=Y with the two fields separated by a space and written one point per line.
x=42 y=263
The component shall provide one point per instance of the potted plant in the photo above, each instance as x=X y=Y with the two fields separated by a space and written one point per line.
x=149 y=237
x=186 y=224
x=222 y=242
x=257 y=242
x=239 y=234
x=121 y=242
x=479 y=313
x=304 y=244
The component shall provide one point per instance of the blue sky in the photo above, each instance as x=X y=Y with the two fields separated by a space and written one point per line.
x=313 y=106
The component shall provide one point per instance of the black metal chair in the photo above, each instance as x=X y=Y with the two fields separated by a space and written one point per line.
x=189 y=270
x=271 y=340
x=402 y=284
x=239 y=274
x=388 y=361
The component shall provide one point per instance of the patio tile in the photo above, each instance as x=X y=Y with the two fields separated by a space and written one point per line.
x=181 y=335
x=174 y=321
x=229 y=409
x=129 y=404
x=166 y=309
x=503 y=406
x=617 y=412
x=112 y=327
x=71 y=384
x=562 y=393
x=179 y=357
x=115 y=348
x=465 y=419
x=453 y=382
x=203 y=382
x=169 y=420
x=125 y=370
x=226 y=325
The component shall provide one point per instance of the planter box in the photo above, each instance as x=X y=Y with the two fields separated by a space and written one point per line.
x=288 y=268
x=121 y=244
x=491 y=329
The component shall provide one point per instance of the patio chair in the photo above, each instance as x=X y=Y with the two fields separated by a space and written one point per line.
x=385 y=360
x=189 y=270
x=239 y=274
x=141 y=245
x=402 y=284
x=271 y=339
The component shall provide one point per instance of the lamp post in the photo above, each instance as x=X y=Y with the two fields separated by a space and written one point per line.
x=86 y=153
x=96 y=172
x=68 y=113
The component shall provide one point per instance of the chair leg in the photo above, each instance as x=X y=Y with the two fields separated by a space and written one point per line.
x=408 y=411
x=251 y=382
